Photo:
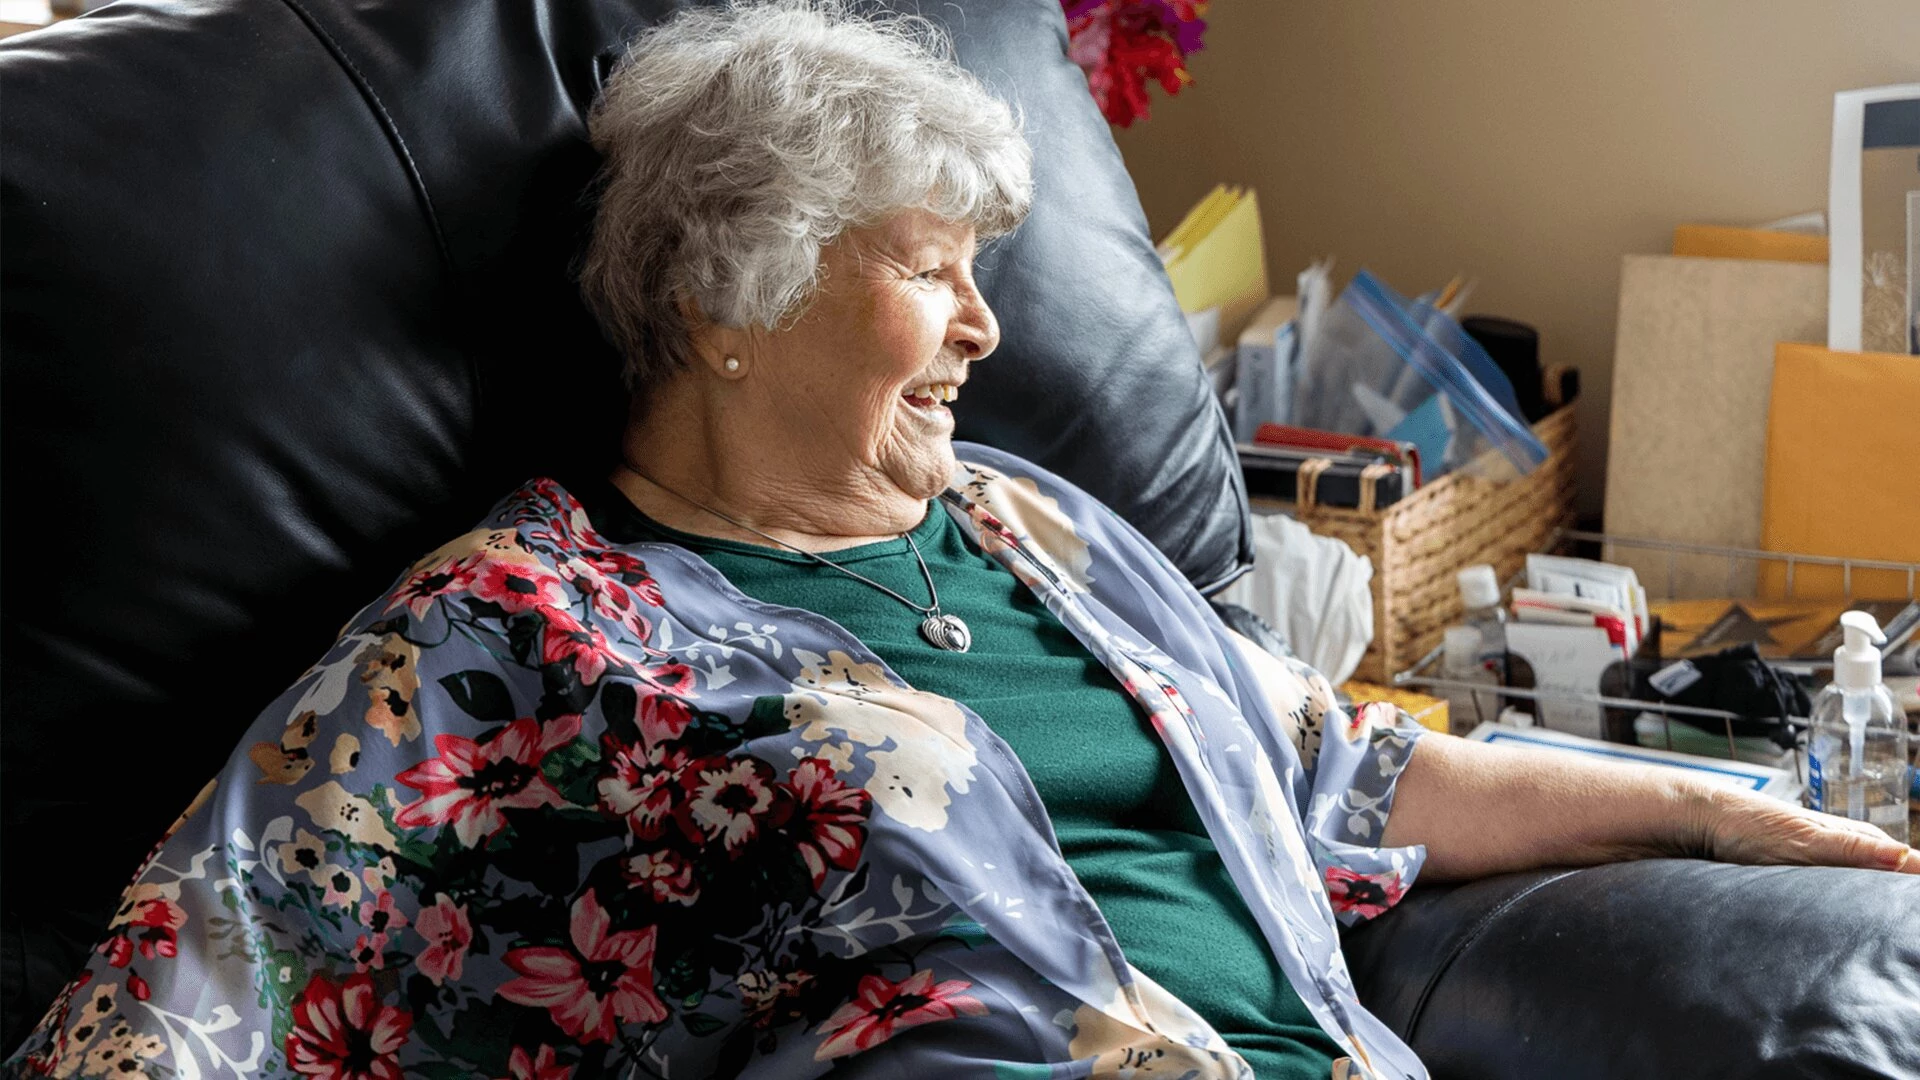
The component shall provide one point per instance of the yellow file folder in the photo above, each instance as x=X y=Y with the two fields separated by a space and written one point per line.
x=1843 y=437
x=1216 y=258
x=1722 y=242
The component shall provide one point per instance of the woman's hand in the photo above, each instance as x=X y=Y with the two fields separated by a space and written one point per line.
x=1743 y=827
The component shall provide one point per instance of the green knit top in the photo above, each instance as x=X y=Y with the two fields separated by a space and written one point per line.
x=1122 y=816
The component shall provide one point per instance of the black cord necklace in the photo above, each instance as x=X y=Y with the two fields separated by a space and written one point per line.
x=941 y=630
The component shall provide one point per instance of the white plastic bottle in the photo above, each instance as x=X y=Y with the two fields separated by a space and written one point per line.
x=1480 y=595
x=1857 y=764
x=1460 y=662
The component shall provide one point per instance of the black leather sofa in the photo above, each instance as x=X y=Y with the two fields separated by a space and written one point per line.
x=277 y=275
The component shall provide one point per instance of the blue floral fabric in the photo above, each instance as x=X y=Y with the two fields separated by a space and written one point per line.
x=553 y=807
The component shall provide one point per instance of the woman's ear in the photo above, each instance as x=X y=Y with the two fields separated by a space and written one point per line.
x=720 y=350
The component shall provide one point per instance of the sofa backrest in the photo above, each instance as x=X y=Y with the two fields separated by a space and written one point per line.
x=287 y=303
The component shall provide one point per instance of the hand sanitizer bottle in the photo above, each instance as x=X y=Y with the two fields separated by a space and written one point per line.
x=1857 y=764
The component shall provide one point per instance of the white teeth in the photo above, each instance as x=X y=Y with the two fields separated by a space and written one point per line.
x=936 y=391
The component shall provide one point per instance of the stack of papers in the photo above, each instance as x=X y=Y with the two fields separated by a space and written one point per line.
x=1215 y=258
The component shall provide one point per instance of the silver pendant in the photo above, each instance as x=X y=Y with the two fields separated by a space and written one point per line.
x=946 y=632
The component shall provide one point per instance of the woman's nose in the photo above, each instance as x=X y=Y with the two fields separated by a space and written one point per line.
x=974 y=332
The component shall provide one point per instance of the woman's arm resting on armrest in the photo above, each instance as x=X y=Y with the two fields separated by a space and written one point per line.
x=1482 y=809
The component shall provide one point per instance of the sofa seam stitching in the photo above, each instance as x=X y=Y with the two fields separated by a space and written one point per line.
x=388 y=126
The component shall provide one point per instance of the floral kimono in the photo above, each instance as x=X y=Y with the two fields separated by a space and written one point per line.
x=554 y=807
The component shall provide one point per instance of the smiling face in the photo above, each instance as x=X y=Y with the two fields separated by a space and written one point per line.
x=854 y=391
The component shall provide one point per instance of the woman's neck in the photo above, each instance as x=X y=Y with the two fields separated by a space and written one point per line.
x=680 y=474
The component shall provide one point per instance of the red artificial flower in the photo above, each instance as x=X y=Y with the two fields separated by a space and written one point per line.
x=1367 y=895
x=603 y=979
x=471 y=783
x=829 y=818
x=665 y=875
x=138 y=987
x=1121 y=44
x=730 y=801
x=518 y=587
x=641 y=785
x=881 y=1009
x=344 y=1033
x=419 y=591
x=542 y=1067
x=448 y=933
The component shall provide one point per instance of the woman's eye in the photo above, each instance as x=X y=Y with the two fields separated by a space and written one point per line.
x=927 y=275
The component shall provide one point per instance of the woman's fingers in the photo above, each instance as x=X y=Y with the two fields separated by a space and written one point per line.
x=1782 y=833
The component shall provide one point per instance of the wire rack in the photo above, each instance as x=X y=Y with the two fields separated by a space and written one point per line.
x=1687 y=568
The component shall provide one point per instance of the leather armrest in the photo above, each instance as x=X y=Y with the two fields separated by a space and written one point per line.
x=1664 y=967
x=1251 y=626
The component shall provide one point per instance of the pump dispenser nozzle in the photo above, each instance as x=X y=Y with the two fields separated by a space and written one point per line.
x=1856 y=663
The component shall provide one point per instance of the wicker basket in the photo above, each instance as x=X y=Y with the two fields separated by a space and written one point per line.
x=1419 y=543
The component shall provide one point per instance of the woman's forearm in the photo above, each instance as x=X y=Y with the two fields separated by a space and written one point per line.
x=1482 y=809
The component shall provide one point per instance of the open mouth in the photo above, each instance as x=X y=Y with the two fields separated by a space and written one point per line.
x=931 y=395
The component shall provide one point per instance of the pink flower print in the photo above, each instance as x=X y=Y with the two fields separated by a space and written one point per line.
x=1366 y=895
x=344 y=1032
x=664 y=875
x=448 y=934
x=381 y=916
x=881 y=1009
x=471 y=784
x=730 y=801
x=829 y=818
x=521 y=1066
x=641 y=785
x=420 y=590
x=568 y=640
x=603 y=980
x=369 y=952
x=518 y=587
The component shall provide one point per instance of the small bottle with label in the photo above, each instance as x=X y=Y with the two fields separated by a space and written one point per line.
x=1480 y=594
x=1857 y=763
x=1460 y=662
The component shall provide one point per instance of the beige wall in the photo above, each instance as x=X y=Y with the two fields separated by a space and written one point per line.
x=1527 y=143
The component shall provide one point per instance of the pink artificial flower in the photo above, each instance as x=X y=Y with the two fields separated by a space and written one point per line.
x=471 y=784
x=881 y=1009
x=603 y=980
x=448 y=934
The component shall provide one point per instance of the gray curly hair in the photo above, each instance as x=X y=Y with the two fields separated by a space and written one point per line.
x=741 y=140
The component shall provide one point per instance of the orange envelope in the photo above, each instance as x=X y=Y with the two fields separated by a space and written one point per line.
x=1725 y=242
x=1843 y=445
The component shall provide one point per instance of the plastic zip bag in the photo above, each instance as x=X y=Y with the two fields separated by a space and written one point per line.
x=1485 y=414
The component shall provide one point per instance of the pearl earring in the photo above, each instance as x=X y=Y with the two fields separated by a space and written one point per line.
x=732 y=364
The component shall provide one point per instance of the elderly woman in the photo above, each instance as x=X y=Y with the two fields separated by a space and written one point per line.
x=805 y=740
